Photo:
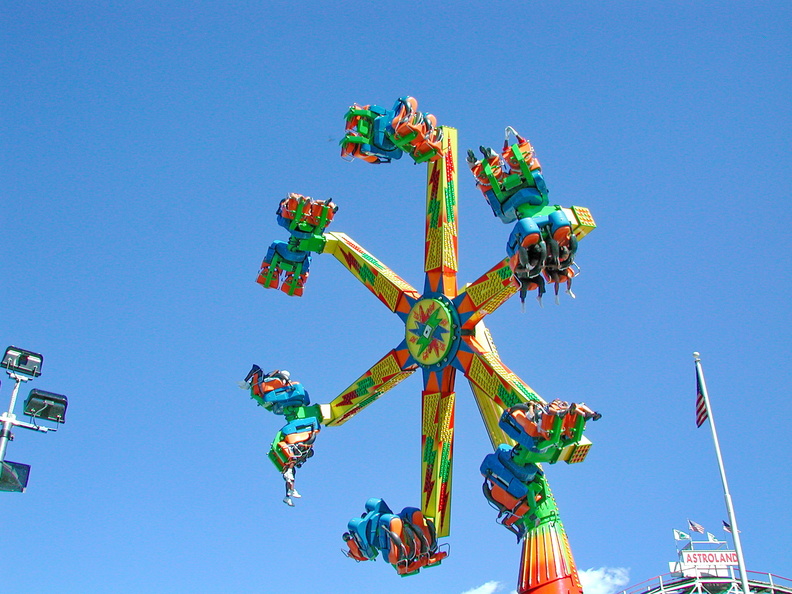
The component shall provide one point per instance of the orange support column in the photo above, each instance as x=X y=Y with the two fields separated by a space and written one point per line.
x=547 y=565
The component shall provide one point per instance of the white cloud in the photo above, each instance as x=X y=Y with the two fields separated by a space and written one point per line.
x=488 y=588
x=605 y=580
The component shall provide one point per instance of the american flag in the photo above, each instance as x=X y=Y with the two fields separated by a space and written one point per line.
x=701 y=404
x=727 y=527
x=696 y=527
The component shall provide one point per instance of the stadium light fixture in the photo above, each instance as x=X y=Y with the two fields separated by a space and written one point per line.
x=46 y=405
x=22 y=366
x=21 y=361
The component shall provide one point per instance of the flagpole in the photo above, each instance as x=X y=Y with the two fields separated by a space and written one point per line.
x=726 y=494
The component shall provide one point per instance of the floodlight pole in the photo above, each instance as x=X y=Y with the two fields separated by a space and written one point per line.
x=9 y=417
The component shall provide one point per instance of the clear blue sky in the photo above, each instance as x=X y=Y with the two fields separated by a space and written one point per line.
x=144 y=149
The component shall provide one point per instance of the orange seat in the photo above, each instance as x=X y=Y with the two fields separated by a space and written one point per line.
x=293 y=438
x=528 y=156
x=559 y=276
x=396 y=553
x=516 y=508
x=354 y=550
x=525 y=423
x=292 y=453
x=268 y=385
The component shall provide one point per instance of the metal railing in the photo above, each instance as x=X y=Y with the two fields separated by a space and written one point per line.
x=674 y=583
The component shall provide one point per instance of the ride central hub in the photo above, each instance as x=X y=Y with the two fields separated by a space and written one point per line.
x=432 y=332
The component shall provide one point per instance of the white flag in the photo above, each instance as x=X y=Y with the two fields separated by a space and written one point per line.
x=679 y=535
x=711 y=537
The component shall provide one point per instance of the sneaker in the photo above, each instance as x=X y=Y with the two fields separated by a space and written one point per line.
x=294 y=493
x=287 y=500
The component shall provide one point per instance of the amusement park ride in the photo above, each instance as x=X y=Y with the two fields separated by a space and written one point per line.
x=444 y=334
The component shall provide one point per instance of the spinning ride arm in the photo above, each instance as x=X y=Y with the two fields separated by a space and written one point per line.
x=498 y=389
x=384 y=375
x=441 y=252
x=486 y=294
x=397 y=295
x=490 y=409
x=483 y=368
x=437 y=446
